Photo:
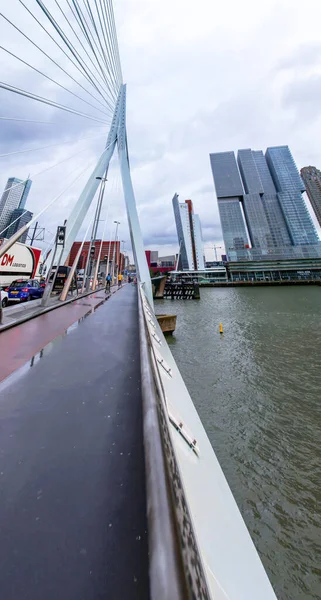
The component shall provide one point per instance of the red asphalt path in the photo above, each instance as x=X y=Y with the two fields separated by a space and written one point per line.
x=19 y=344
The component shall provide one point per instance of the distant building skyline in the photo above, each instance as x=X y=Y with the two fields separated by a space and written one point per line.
x=312 y=180
x=14 y=196
x=189 y=233
x=261 y=207
x=160 y=264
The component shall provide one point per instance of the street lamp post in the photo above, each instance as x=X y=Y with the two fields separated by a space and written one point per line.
x=114 y=261
x=90 y=257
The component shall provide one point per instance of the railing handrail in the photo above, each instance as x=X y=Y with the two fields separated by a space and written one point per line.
x=166 y=571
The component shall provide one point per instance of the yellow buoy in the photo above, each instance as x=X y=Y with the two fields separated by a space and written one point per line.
x=221 y=328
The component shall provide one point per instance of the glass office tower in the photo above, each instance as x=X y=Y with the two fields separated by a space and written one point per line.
x=229 y=191
x=260 y=198
x=290 y=187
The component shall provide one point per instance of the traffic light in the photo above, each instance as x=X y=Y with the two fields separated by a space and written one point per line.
x=61 y=234
x=92 y=251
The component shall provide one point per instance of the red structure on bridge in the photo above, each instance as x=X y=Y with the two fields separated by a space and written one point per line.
x=108 y=248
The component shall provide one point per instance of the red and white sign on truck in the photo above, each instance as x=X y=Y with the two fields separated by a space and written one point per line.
x=20 y=262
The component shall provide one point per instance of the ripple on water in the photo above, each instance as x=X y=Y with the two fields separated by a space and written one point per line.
x=257 y=390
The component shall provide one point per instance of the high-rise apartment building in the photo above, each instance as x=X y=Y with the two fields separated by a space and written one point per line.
x=14 y=196
x=19 y=218
x=312 y=180
x=261 y=206
x=189 y=233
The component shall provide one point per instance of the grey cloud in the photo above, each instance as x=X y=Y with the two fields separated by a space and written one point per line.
x=303 y=56
x=196 y=85
x=304 y=96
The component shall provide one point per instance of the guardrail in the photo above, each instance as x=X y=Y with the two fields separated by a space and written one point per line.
x=176 y=571
x=199 y=545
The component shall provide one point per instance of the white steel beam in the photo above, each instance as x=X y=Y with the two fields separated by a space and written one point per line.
x=82 y=205
x=133 y=221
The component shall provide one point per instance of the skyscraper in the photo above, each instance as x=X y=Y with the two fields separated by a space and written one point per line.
x=19 y=218
x=260 y=199
x=312 y=180
x=189 y=233
x=14 y=196
x=274 y=215
x=229 y=191
x=290 y=187
x=257 y=223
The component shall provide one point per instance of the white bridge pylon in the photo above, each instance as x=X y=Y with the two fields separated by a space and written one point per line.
x=117 y=135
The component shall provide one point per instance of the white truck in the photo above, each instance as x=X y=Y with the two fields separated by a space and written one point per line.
x=21 y=261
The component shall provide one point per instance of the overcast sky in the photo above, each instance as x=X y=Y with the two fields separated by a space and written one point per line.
x=202 y=77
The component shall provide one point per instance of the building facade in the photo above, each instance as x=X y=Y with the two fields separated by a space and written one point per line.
x=312 y=180
x=189 y=233
x=261 y=206
x=19 y=218
x=160 y=264
x=14 y=196
x=109 y=250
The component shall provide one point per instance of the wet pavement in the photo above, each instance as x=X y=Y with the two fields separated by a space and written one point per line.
x=19 y=344
x=25 y=310
x=72 y=482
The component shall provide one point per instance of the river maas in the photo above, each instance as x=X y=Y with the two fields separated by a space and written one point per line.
x=257 y=389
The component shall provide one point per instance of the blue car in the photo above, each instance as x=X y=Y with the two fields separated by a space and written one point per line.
x=23 y=290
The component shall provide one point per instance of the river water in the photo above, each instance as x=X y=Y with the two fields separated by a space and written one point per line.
x=257 y=389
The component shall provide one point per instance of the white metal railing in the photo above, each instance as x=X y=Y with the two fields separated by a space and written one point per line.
x=217 y=551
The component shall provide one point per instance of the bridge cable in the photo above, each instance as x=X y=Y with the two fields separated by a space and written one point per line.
x=112 y=46
x=109 y=7
x=31 y=121
x=63 y=51
x=52 y=145
x=56 y=197
x=53 y=80
x=69 y=45
x=33 y=175
x=11 y=88
x=108 y=47
x=49 y=57
x=76 y=35
x=61 y=33
x=109 y=44
x=108 y=67
x=113 y=27
x=34 y=218
x=45 y=122
x=114 y=42
x=85 y=29
x=83 y=24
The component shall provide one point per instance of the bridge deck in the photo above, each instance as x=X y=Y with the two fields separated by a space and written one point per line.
x=72 y=484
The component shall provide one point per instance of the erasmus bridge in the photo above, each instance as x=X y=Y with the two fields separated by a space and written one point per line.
x=110 y=488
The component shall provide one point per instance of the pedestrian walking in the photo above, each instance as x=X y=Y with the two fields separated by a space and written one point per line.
x=120 y=280
x=108 y=282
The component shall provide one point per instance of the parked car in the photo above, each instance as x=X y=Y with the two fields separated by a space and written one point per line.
x=23 y=290
x=4 y=297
